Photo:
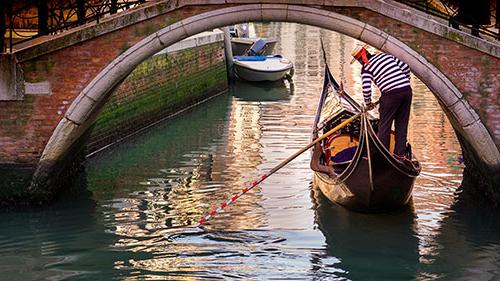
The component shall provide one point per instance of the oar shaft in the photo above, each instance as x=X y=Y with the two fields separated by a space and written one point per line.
x=275 y=169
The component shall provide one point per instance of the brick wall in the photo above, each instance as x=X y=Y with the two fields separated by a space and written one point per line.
x=475 y=73
x=158 y=88
x=26 y=125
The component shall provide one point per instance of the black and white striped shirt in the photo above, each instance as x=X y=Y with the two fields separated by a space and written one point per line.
x=387 y=72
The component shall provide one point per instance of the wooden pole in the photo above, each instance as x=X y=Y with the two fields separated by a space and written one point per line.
x=43 y=17
x=228 y=51
x=3 y=25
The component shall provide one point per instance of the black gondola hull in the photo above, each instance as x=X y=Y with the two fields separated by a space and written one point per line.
x=391 y=190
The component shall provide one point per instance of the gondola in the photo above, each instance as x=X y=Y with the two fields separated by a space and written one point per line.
x=368 y=177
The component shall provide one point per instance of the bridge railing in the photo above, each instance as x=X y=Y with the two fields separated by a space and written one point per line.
x=21 y=21
x=480 y=17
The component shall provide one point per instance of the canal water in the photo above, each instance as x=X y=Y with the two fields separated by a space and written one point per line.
x=127 y=217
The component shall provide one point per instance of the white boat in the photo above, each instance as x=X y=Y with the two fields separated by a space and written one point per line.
x=262 y=68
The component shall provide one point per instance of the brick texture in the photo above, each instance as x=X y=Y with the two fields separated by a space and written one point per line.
x=158 y=88
x=475 y=74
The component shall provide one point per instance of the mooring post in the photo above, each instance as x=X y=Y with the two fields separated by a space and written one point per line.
x=3 y=26
x=229 y=54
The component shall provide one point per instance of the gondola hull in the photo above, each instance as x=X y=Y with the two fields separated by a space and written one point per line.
x=390 y=191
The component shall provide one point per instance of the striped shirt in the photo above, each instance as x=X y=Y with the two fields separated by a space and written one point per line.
x=387 y=72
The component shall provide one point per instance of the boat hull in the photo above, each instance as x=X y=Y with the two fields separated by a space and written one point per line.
x=374 y=180
x=359 y=197
x=257 y=75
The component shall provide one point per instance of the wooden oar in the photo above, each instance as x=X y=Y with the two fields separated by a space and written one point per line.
x=275 y=169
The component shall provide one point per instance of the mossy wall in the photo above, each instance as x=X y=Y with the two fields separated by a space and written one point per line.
x=159 y=87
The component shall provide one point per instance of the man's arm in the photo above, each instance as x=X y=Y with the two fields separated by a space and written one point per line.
x=366 y=78
x=404 y=67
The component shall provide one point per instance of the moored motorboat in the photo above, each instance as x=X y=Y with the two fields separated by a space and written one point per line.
x=262 y=68
x=254 y=66
x=368 y=177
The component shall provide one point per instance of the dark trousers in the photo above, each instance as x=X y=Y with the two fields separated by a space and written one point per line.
x=395 y=106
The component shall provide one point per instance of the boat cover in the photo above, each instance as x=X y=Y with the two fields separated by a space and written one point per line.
x=257 y=48
x=251 y=58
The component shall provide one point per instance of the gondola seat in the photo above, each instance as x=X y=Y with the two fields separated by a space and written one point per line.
x=344 y=155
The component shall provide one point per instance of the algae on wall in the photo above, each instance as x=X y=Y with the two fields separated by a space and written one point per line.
x=159 y=87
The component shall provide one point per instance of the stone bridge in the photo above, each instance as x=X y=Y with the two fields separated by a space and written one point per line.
x=54 y=87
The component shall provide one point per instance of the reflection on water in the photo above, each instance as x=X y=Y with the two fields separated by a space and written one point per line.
x=146 y=192
x=384 y=244
x=262 y=91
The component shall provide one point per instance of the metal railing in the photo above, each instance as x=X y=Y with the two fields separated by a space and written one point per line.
x=21 y=21
x=448 y=10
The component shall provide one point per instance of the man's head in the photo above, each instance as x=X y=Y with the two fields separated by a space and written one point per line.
x=361 y=55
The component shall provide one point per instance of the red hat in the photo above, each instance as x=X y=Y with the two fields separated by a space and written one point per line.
x=360 y=52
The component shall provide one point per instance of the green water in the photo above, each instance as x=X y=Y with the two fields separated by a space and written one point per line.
x=126 y=217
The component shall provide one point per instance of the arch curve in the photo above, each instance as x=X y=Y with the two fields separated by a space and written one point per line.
x=85 y=108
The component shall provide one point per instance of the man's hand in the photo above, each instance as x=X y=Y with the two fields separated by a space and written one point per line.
x=370 y=106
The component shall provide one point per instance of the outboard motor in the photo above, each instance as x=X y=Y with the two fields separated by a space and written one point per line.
x=258 y=48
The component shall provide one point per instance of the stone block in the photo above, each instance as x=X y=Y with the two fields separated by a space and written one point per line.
x=373 y=36
x=275 y=12
x=65 y=134
x=201 y=2
x=326 y=19
x=463 y=113
x=11 y=78
x=81 y=109
x=482 y=143
x=38 y=88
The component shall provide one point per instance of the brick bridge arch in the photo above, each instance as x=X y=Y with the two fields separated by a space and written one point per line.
x=476 y=139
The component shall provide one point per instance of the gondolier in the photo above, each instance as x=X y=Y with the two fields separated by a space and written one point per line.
x=392 y=77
